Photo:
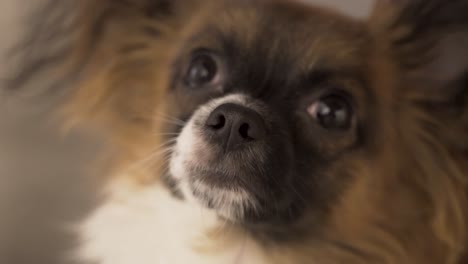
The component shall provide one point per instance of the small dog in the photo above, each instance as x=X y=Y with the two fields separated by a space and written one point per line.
x=269 y=131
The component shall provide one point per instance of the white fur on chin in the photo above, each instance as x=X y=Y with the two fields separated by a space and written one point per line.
x=228 y=203
x=149 y=226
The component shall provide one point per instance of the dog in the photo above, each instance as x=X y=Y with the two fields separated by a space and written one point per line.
x=267 y=131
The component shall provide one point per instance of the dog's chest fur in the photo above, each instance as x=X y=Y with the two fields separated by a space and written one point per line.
x=151 y=227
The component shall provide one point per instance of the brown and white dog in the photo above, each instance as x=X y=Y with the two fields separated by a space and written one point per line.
x=269 y=131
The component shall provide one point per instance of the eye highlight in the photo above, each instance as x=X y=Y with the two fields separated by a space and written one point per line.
x=203 y=70
x=332 y=112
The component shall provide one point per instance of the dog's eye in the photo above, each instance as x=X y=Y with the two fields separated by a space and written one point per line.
x=203 y=70
x=332 y=112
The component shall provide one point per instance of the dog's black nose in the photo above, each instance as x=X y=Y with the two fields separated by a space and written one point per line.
x=232 y=125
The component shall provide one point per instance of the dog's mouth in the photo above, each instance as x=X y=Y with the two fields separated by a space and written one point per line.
x=225 y=160
x=235 y=193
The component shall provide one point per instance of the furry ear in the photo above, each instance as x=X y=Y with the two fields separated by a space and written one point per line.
x=62 y=37
x=109 y=51
x=429 y=41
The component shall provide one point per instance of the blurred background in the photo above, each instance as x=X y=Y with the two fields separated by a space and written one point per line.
x=44 y=179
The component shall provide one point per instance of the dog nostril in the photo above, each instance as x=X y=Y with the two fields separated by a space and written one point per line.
x=253 y=131
x=216 y=122
x=231 y=125
x=244 y=131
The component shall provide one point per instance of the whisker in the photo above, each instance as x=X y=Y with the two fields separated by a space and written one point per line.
x=163 y=165
x=163 y=151
x=171 y=119
x=168 y=143
x=166 y=134
x=167 y=120
x=147 y=161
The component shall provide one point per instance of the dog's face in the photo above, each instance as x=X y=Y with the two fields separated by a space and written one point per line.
x=268 y=113
x=293 y=122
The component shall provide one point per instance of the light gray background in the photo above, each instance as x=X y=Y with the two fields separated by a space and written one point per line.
x=42 y=175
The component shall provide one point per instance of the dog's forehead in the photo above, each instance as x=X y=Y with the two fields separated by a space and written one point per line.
x=303 y=33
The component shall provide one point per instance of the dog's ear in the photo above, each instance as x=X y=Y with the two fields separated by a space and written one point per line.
x=428 y=41
x=103 y=53
x=66 y=38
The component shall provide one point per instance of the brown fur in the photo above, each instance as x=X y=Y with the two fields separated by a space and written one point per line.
x=408 y=200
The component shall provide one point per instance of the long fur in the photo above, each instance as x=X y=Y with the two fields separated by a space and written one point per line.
x=409 y=203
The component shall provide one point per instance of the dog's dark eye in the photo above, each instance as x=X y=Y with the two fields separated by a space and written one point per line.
x=332 y=112
x=203 y=70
